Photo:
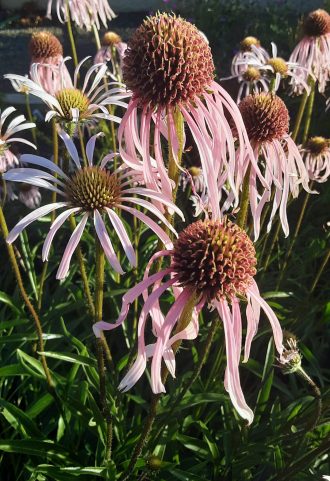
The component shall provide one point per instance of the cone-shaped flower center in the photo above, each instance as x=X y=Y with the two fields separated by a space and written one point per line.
x=110 y=38
x=317 y=23
x=72 y=98
x=247 y=43
x=265 y=116
x=317 y=145
x=251 y=74
x=93 y=188
x=167 y=62
x=215 y=258
x=279 y=65
x=44 y=45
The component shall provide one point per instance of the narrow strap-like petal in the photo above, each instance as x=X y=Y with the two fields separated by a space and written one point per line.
x=106 y=242
x=122 y=234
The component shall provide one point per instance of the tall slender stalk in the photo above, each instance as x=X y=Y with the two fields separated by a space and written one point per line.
x=27 y=301
x=300 y=113
x=70 y=33
x=82 y=145
x=53 y=214
x=320 y=271
x=243 y=212
x=309 y=111
x=96 y=36
x=30 y=118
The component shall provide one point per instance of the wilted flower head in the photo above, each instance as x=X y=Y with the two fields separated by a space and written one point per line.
x=8 y=160
x=112 y=50
x=212 y=262
x=71 y=104
x=84 y=13
x=290 y=361
x=274 y=68
x=90 y=191
x=316 y=154
x=266 y=119
x=29 y=195
x=247 y=45
x=168 y=67
x=313 y=51
x=47 y=52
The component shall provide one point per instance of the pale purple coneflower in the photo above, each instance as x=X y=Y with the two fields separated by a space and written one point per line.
x=93 y=191
x=279 y=161
x=47 y=53
x=29 y=195
x=168 y=67
x=213 y=262
x=251 y=80
x=84 y=13
x=274 y=68
x=112 y=50
x=71 y=104
x=316 y=154
x=239 y=63
x=8 y=159
x=313 y=50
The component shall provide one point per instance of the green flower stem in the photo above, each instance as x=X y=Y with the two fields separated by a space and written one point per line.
x=82 y=145
x=317 y=394
x=30 y=118
x=70 y=33
x=294 y=237
x=28 y=304
x=243 y=212
x=99 y=295
x=309 y=111
x=53 y=214
x=173 y=170
x=4 y=191
x=301 y=111
x=271 y=247
x=320 y=271
x=96 y=36
x=183 y=322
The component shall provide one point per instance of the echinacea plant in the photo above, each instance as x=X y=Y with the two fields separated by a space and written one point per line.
x=90 y=191
x=212 y=263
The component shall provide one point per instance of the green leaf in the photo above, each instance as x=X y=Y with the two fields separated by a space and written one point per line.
x=266 y=381
x=19 y=420
x=40 y=405
x=68 y=357
x=8 y=300
x=13 y=370
x=27 y=338
x=35 y=447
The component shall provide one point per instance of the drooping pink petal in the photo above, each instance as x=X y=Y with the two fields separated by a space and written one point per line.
x=106 y=242
x=70 y=248
x=28 y=219
x=53 y=229
x=123 y=237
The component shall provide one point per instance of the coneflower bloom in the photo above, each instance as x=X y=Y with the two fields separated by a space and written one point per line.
x=267 y=123
x=239 y=62
x=273 y=67
x=168 y=67
x=71 y=104
x=112 y=50
x=91 y=190
x=29 y=195
x=251 y=79
x=313 y=50
x=84 y=13
x=7 y=158
x=212 y=263
x=47 y=52
x=316 y=154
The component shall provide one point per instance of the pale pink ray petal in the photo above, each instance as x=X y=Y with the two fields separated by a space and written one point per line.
x=122 y=235
x=28 y=219
x=252 y=316
x=106 y=242
x=71 y=148
x=53 y=229
x=151 y=224
x=70 y=248
x=276 y=327
x=131 y=377
x=233 y=384
x=42 y=162
x=169 y=322
x=90 y=146
x=128 y=298
x=154 y=195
